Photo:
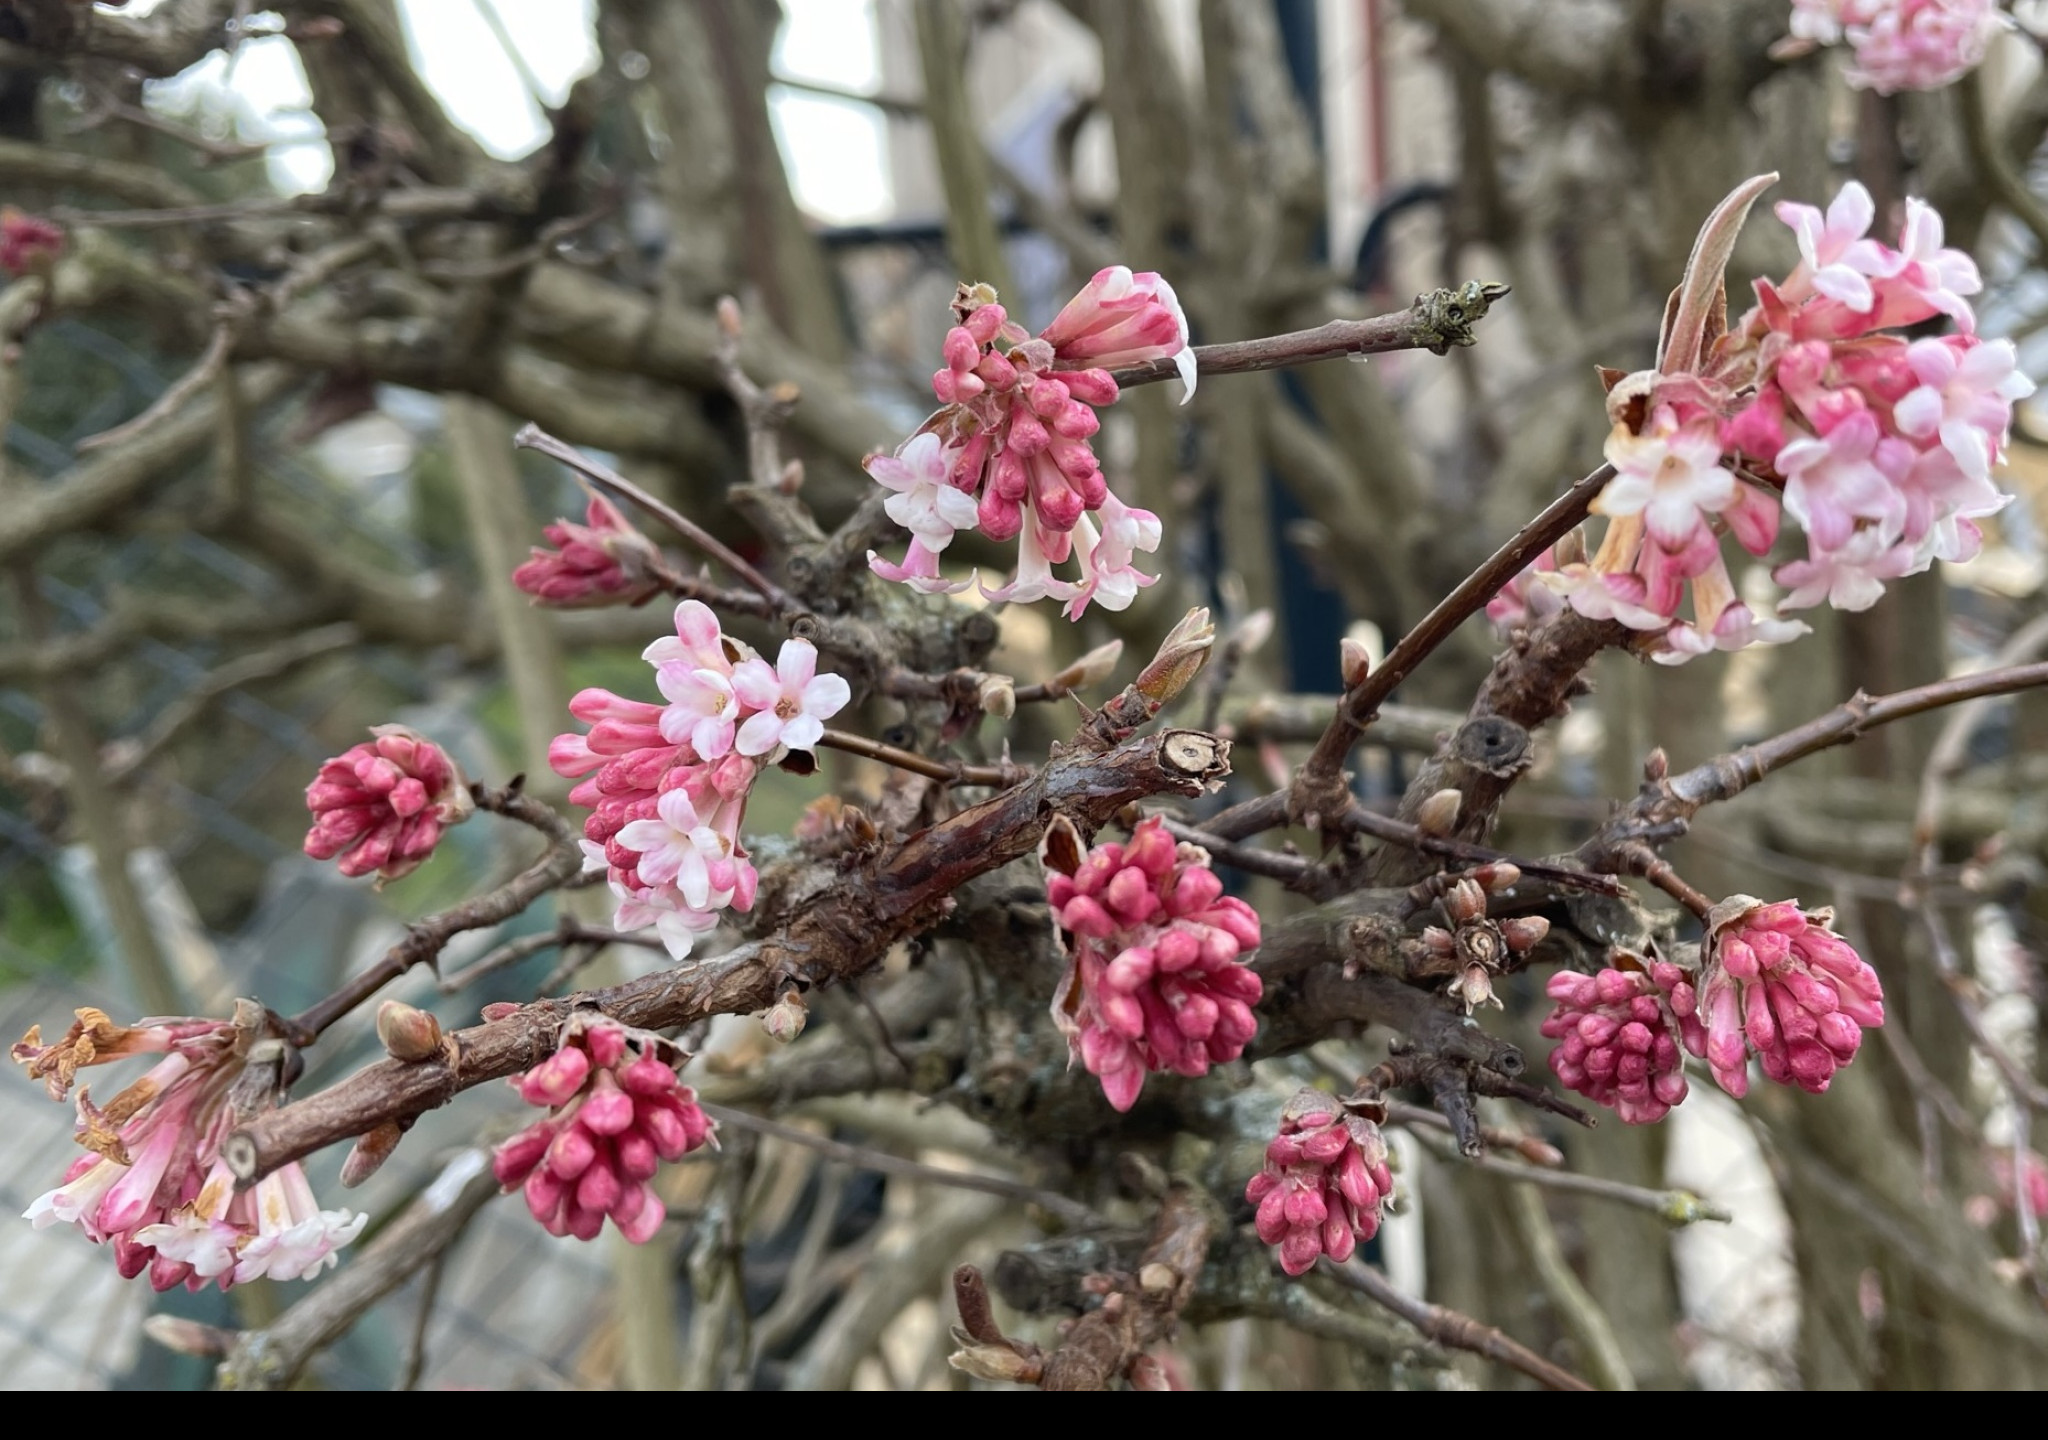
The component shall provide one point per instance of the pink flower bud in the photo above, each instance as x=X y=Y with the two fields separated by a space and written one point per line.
x=1323 y=1184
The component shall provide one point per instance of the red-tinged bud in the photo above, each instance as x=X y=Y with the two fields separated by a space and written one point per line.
x=190 y=1337
x=1496 y=876
x=369 y=1153
x=500 y=1010
x=1525 y=932
x=785 y=1018
x=1656 y=765
x=1464 y=901
x=1438 y=815
x=407 y=1033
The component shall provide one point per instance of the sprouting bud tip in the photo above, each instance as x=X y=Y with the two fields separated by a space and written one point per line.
x=1438 y=814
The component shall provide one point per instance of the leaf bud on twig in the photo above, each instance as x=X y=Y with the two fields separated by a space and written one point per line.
x=785 y=1018
x=1439 y=813
x=1354 y=661
x=1182 y=654
x=369 y=1153
x=407 y=1033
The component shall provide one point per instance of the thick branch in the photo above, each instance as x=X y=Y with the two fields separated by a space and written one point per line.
x=838 y=925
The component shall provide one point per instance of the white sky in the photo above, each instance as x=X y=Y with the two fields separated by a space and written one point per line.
x=836 y=150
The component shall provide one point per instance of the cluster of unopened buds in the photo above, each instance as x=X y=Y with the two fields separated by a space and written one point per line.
x=154 y=1185
x=616 y=1111
x=383 y=805
x=1009 y=454
x=603 y=561
x=1324 y=1182
x=1898 y=44
x=1881 y=447
x=1619 y=1034
x=1776 y=981
x=1154 y=978
x=1474 y=947
x=667 y=784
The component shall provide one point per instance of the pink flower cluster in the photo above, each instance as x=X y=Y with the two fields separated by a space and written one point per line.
x=603 y=561
x=383 y=805
x=1009 y=453
x=1155 y=981
x=155 y=1186
x=1880 y=447
x=616 y=1111
x=1778 y=982
x=667 y=784
x=1323 y=1184
x=1620 y=1036
x=27 y=242
x=1902 y=44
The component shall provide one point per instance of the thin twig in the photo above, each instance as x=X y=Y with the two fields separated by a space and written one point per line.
x=569 y=931
x=415 y=1358
x=211 y=362
x=1355 y=712
x=1676 y=1208
x=425 y=938
x=862 y=1158
x=532 y=437
x=1449 y=1327
x=1435 y=321
x=950 y=772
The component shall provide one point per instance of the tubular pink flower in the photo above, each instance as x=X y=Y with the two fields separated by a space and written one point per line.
x=698 y=644
x=383 y=805
x=603 y=561
x=1619 y=1038
x=1124 y=319
x=1964 y=398
x=1324 y=1183
x=1154 y=978
x=700 y=710
x=591 y=1158
x=677 y=848
x=1839 y=261
x=1670 y=474
x=1778 y=983
x=791 y=702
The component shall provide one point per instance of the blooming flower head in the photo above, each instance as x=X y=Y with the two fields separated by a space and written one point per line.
x=154 y=1186
x=1324 y=1183
x=667 y=785
x=1009 y=454
x=1881 y=449
x=383 y=805
x=616 y=1109
x=1154 y=978
x=603 y=561
x=1899 y=44
x=1619 y=1034
x=1778 y=983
